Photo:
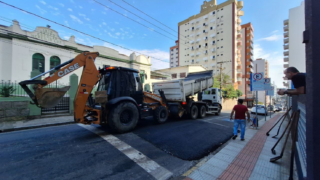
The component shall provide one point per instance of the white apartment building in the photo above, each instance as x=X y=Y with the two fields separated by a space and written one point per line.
x=262 y=65
x=294 y=49
x=174 y=55
x=211 y=37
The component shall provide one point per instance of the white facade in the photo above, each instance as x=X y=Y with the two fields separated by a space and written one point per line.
x=17 y=53
x=174 y=55
x=211 y=36
x=294 y=49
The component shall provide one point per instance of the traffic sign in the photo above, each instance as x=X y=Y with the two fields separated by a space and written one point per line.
x=271 y=92
x=267 y=84
x=257 y=82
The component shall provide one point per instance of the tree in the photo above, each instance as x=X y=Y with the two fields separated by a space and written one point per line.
x=228 y=91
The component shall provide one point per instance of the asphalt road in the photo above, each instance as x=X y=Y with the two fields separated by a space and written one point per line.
x=151 y=151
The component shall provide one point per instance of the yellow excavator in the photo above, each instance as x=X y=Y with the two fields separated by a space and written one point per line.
x=119 y=100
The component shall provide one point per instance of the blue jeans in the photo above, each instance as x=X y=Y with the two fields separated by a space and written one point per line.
x=242 y=124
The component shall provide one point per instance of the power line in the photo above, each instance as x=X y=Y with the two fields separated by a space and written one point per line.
x=78 y=30
x=133 y=20
x=138 y=16
x=153 y=18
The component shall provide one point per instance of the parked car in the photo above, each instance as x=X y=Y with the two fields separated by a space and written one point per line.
x=260 y=109
x=271 y=108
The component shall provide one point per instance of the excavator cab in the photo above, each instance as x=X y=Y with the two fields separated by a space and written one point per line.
x=121 y=82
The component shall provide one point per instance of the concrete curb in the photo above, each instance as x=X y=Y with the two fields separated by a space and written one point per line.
x=34 y=127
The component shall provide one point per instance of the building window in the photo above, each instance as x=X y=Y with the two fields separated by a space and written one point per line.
x=221 y=31
x=211 y=28
x=221 y=54
x=213 y=12
x=206 y=44
x=38 y=62
x=182 y=75
x=173 y=76
x=213 y=42
x=217 y=47
x=54 y=61
x=221 y=46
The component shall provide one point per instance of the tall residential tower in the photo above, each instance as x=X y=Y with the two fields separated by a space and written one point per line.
x=212 y=36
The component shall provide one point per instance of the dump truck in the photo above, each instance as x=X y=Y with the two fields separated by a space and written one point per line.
x=180 y=93
x=119 y=102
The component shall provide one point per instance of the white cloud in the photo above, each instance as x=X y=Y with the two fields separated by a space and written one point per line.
x=103 y=12
x=118 y=34
x=43 y=2
x=84 y=16
x=66 y=22
x=69 y=9
x=116 y=22
x=74 y=18
x=161 y=61
x=275 y=31
x=54 y=8
x=42 y=11
x=104 y=23
x=80 y=7
x=112 y=36
x=71 y=1
x=145 y=34
x=112 y=29
x=100 y=25
x=62 y=5
x=271 y=38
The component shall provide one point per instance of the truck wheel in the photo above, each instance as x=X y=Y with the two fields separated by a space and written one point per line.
x=160 y=114
x=218 y=113
x=123 y=117
x=202 y=112
x=194 y=112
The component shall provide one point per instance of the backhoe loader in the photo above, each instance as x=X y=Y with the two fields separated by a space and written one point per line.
x=119 y=100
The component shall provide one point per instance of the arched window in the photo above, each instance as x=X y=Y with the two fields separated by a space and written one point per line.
x=38 y=62
x=54 y=61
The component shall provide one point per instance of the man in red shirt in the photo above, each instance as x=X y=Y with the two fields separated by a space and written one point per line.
x=239 y=119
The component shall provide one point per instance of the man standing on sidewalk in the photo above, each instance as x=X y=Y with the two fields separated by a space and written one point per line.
x=240 y=118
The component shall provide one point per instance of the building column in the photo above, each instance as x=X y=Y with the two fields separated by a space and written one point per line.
x=312 y=40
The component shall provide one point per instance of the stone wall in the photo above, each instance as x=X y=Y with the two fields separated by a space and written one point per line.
x=11 y=110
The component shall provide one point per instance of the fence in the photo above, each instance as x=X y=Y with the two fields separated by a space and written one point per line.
x=298 y=103
x=61 y=107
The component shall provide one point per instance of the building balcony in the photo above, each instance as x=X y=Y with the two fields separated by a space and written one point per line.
x=286 y=53
x=286 y=40
x=239 y=60
x=248 y=82
x=240 y=13
x=286 y=65
x=239 y=82
x=239 y=36
x=285 y=28
x=239 y=43
x=247 y=76
x=239 y=28
x=286 y=22
x=286 y=34
x=249 y=70
x=239 y=66
x=238 y=51
x=286 y=47
x=239 y=21
x=240 y=4
x=286 y=59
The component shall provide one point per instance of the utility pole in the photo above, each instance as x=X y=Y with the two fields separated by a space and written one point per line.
x=221 y=69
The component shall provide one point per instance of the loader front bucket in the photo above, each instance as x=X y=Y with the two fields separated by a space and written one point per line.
x=50 y=97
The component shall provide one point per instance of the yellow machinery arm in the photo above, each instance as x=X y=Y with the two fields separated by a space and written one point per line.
x=49 y=97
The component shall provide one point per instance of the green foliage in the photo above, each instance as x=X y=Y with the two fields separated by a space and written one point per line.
x=6 y=91
x=239 y=93
x=260 y=102
x=228 y=91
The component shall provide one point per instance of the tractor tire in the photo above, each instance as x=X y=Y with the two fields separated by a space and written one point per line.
x=123 y=117
x=202 y=112
x=160 y=114
x=193 y=112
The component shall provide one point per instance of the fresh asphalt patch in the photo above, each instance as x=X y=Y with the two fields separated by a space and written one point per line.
x=187 y=139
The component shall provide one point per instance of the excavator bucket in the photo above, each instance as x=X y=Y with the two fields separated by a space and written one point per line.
x=50 y=97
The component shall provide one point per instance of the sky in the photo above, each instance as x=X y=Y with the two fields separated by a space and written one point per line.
x=153 y=29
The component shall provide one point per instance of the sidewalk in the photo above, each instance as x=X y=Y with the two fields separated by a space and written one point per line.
x=35 y=123
x=247 y=159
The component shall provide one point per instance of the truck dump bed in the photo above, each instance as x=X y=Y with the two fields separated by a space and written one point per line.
x=178 y=90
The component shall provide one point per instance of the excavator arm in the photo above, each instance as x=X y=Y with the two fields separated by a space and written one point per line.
x=49 y=97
